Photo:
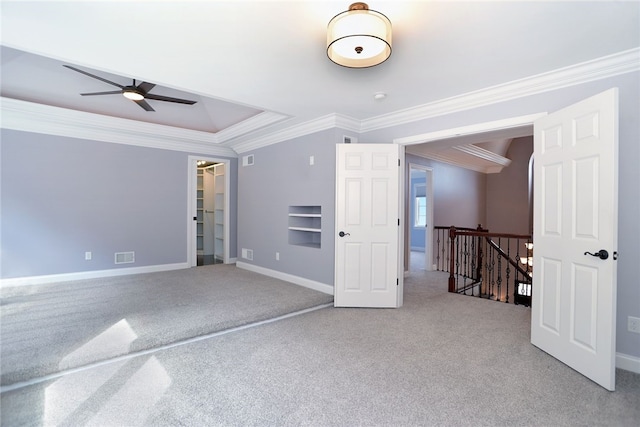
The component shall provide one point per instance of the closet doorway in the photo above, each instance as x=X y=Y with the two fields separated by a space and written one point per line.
x=208 y=213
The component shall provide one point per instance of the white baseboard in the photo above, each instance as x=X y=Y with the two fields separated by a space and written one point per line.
x=628 y=362
x=52 y=278
x=311 y=284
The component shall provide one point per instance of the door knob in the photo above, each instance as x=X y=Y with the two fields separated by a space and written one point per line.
x=342 y=234
x=602 y=254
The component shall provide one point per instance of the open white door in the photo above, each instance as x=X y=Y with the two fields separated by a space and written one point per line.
x=575 y=200
x=368 y=253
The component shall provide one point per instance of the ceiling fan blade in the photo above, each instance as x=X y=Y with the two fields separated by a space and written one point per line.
x=93 y=76
x=112 y=92
x=144 y=104
x=146 y=86
x=168 y=99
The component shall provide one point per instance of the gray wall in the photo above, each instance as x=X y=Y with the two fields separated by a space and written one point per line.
x=63 y=196
x=458 y=194
x=281 y=177
x=508 y=191
x=629 y=172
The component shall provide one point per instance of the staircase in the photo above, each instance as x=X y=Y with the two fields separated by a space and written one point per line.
x=494 y=266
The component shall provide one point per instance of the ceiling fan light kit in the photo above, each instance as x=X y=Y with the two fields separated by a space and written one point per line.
x=359 y=37
x=132 y=94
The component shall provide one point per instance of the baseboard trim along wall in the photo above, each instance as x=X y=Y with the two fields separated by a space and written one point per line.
x=311 y=284
x=628 y=362
x=53 y=278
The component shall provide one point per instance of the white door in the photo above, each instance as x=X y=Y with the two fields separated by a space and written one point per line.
x=575 y=201
x=368 y=253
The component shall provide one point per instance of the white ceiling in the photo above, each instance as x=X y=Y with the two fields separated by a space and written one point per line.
x=244 y=60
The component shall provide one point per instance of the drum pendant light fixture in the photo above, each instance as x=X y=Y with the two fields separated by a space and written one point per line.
x=359 y=37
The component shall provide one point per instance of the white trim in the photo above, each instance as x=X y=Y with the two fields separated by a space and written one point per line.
x=311 y=284
x=496 y=125
x=445 y=159
x=32 y=117
x=628 y=362
x=39 y=118
x=487 y=155
x=428 y=243
x=329 y=121
x=600 y=68
x=251 y=124
x=65 y=277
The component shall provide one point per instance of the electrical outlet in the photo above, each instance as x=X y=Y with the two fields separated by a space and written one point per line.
x=633 y=324
x=277 y=256
x=87 y=256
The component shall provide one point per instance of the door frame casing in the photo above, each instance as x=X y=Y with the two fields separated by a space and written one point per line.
x=513 y=124
x=428 y=245
x=192 y=187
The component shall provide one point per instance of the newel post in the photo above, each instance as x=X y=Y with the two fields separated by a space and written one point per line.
x=452 y=260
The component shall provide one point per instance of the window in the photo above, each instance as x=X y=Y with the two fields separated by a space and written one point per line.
x=420 y=214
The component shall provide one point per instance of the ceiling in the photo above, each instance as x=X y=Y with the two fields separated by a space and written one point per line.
x=258 y=67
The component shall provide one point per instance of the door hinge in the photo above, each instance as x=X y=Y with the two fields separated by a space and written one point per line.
x=398 y=162
x=397 y=282
x=398 y=222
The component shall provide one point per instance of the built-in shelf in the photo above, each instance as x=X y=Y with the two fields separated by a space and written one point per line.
x=311 y=230
x=305 y=226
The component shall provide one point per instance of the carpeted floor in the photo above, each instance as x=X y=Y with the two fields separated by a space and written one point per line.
x=441 y=359
x=48 y=328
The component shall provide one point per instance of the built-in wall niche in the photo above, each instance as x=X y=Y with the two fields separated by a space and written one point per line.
x=305 y=226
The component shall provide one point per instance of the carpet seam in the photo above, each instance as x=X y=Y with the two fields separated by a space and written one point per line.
x=179 y=343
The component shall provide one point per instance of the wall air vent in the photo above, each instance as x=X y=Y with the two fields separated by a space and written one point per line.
x=349 y=139
x=247 y=254
x=247 y=160
x=125 y=257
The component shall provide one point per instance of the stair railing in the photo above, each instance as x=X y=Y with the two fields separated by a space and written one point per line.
x=483 y=264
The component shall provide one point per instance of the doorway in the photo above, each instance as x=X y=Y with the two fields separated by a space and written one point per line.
x=420 y=218
x=208 y=219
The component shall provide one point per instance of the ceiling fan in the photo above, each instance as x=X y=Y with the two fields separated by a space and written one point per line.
x=136 y=93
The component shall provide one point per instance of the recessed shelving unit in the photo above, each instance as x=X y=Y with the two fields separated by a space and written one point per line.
x=305 y=226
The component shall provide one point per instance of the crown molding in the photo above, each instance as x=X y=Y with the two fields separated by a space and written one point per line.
x=329 y=121
x=497 y=162
x=39 y=118
x=481 y=153
x=444 y=158
x=511 y=123
x=608 y=66
x=256 y=122
x=32 y=117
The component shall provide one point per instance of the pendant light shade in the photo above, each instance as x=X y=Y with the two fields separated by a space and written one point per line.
x=359 y=37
